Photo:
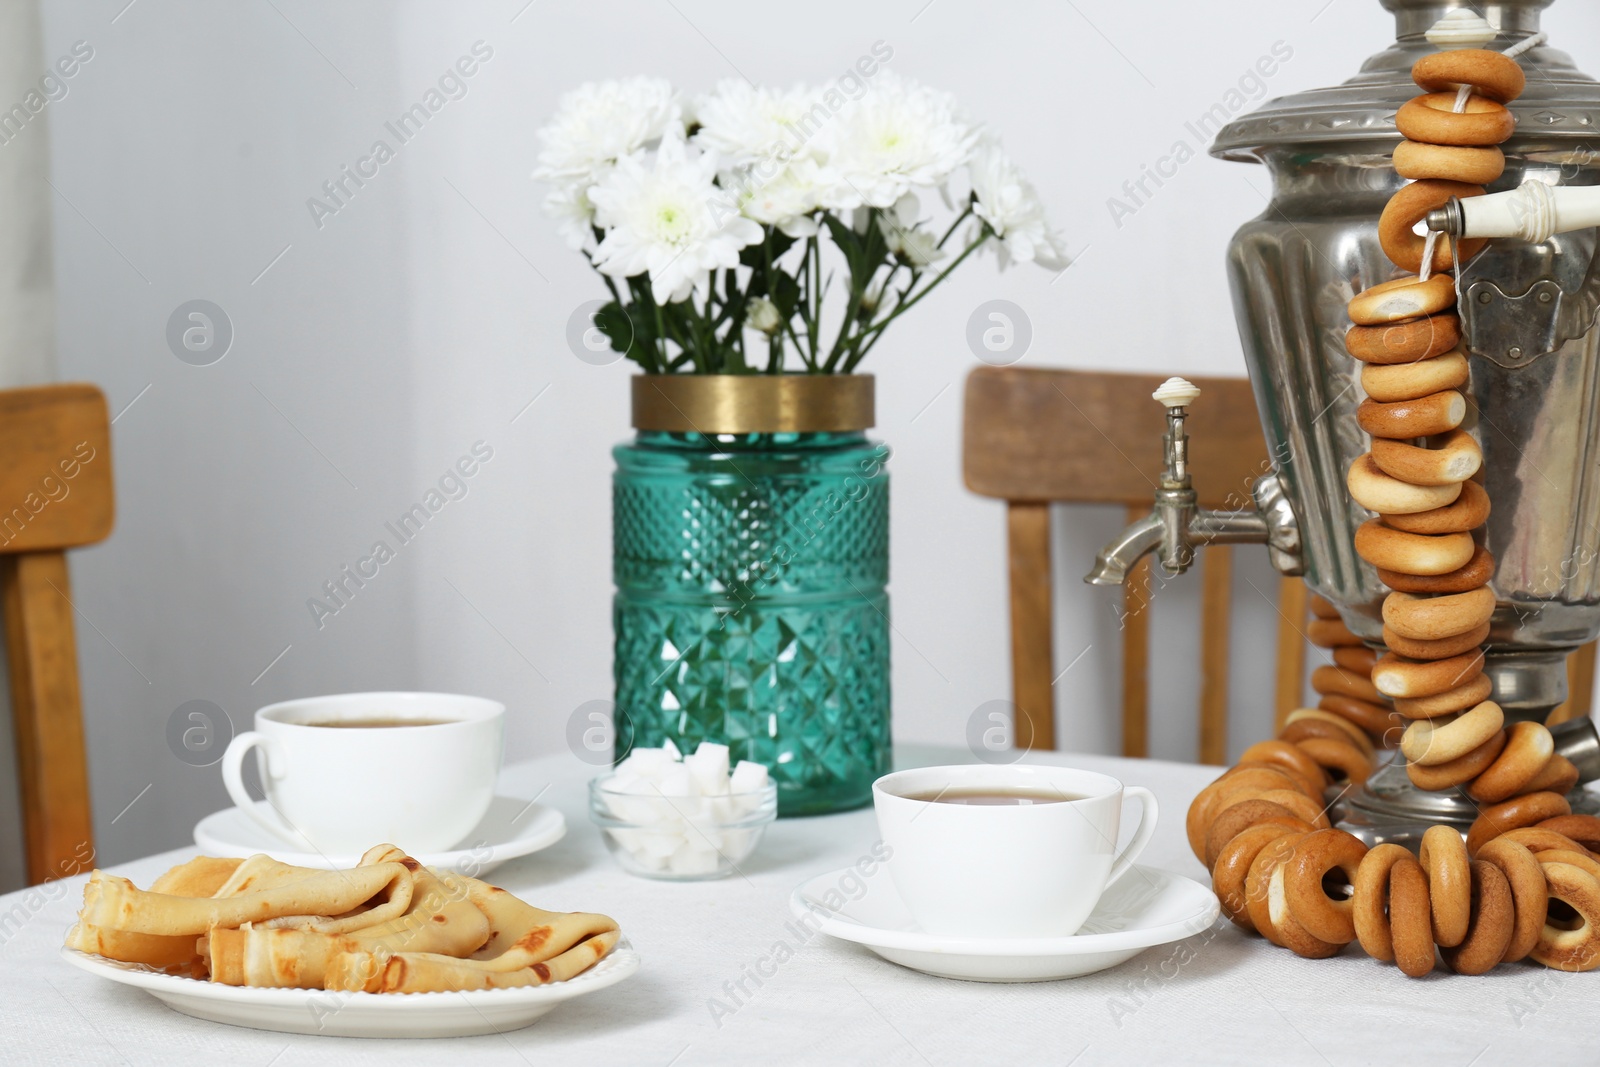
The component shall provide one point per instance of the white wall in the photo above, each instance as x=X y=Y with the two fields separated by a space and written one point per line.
x=426 y=314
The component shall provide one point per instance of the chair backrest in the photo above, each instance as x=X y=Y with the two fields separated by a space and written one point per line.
x=1033 y=437
x=55 y=494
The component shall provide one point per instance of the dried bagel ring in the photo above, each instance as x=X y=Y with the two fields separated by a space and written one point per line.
x=1441 y=649
x=1529 y=895
x=1233 y=864
x=1315 y=857
x=1571 y=944
x=1374 y=720
x=1469 y=512
x=1322 y=607
x=1435 y=617
x=1457 y=458
x=1405 y=342
x=1340 y=682
x=1340 y=759
x=1376 y=490
x=1560 y=775
x=1406 y=381
x=1240 y=817
x=1410 y=206
x=1490 y=74
x=1493 y=922
x=1443 y=856
x=1530 y=809
x=1577 y=857
x=1330 y=633
x=1313 y=812
x=1434 y=741
x=1368 y=912
x=1214 y=797
x=1403 y=420
x=1432 y=119
x=1401 y=299
x=1355 y=659
x=1290 y=934
x=1410 y=918
x=1460 y=770
x=1310 y=785
x=1538 y=839
x=1459 y=163
x=1342 y=728
x=1469 y=694
x=1270 y=857
x=1396 y=550
x=1529 y=747
x=1397 y=676
x=1584 y=830
x=1478 y=571
x=1291 y=760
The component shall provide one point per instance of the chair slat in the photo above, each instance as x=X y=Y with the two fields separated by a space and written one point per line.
x=1293 y=602
x=46 y=714
x=1580 y=686
x=1136 y=653
x=1216 y=608
x=1032 y=634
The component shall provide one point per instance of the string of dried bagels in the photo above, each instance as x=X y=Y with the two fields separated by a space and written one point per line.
x=1525 y=883
x=388 y=925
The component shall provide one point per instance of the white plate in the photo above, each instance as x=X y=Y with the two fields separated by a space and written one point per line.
x=512 y=828
x=316 y=1011
x=1147 y=907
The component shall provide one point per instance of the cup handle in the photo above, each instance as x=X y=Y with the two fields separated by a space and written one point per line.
x=1148 y=811
x=233 y=779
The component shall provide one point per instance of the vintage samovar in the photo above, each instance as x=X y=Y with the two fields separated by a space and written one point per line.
x=1528 y=305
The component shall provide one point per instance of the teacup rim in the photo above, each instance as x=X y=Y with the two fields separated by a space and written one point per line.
x=883 y=791
x=474 y=709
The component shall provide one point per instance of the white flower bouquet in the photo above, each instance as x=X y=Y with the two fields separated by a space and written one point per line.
x=709 y=219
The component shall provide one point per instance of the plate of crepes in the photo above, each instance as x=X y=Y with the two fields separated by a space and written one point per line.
x=388 y=948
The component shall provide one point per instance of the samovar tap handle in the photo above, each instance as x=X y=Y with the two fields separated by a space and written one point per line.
x=1534 y=212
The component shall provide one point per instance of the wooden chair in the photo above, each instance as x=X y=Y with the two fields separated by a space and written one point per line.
x=55 y=494
x=1037 y=437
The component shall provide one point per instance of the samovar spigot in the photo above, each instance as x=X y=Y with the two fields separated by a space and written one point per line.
x=1176 y=503
x=1178 y=525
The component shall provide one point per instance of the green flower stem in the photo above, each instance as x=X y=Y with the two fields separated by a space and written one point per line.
x=867 y=337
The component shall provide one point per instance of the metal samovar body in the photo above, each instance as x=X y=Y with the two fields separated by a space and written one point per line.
x=1528 y=312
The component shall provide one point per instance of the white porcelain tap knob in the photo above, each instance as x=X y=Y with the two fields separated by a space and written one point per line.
x=1176 y=393
x=1461 y=28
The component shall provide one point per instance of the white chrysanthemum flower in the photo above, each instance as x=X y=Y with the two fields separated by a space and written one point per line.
x=897 y=136
x=904 y=238
x=762 y=314
x=746 y=124
x=663 y=216
x=1010 y=205
x=787 y=199
x=569 y=205
x=598 y=123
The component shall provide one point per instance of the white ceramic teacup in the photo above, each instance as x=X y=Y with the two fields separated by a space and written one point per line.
x=1006 y=871
x=346 y=788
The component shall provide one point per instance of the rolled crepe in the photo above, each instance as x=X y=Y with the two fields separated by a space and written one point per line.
x=116 y=903
x=202 y=876
x=529 y=946
x=441 y=919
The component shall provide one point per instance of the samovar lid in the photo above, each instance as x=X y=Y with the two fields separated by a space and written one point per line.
x=1560 y=106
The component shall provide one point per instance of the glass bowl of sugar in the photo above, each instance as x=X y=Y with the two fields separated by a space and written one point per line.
x=682 y=818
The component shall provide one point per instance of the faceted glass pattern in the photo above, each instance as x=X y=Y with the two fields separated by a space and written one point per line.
x=751 y=605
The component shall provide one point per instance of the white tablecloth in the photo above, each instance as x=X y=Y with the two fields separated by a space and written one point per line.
x=1218 y=998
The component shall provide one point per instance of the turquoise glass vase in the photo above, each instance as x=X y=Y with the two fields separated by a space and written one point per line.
x=752 y=606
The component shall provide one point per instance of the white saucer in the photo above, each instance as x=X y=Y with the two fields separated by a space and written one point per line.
x=1147 y=907
x=513 y=827
x=337 y=1014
